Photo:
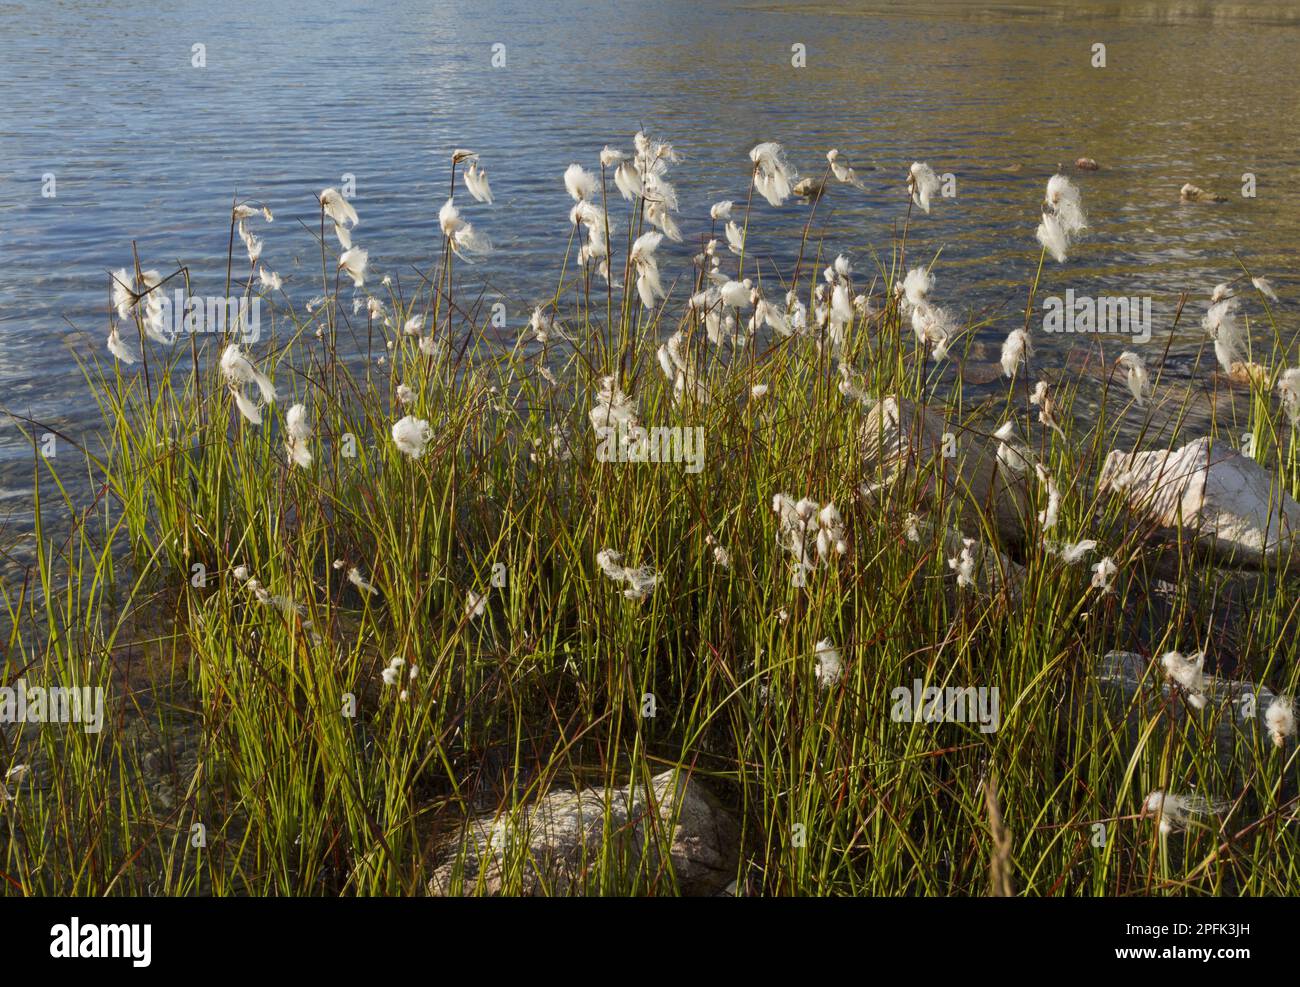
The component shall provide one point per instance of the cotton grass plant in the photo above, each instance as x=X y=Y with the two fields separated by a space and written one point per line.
x=425 y=598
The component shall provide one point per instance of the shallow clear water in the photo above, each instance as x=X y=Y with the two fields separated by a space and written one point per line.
x=146 y=148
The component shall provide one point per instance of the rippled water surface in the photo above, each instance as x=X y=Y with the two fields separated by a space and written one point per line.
x=146 y=148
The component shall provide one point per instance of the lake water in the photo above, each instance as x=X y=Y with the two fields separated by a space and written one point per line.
x=145 y=147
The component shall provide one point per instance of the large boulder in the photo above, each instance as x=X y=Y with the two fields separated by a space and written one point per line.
x=1215 y=497
x=908 y=457
x=550 y=847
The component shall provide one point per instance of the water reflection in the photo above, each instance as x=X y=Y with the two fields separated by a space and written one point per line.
x=147 y=148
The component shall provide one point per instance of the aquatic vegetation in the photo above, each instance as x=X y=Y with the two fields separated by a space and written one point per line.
x=391 y=569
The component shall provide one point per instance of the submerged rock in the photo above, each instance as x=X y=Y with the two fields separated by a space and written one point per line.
x=1247 y=372
x=1087 y=164
x=1226 y=503
x=915 y=455
x=1232 y=721
x=553 y=845
x=1194 y=193
x=810 y=188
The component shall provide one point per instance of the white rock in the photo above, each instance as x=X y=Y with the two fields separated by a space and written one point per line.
x=557 y=845
x=1225 y=502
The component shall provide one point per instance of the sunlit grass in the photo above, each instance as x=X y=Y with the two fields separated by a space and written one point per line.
x=308 y=774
